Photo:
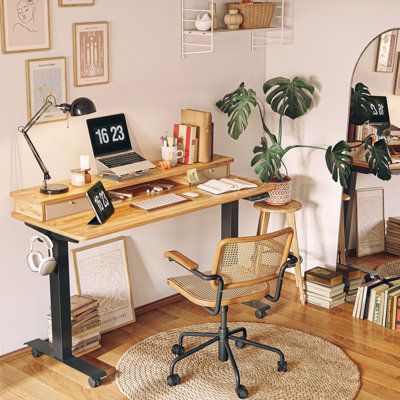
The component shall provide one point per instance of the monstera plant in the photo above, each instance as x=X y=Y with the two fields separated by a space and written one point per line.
x=293 y=99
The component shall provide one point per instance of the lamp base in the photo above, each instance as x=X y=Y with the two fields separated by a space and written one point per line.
x=54 y=188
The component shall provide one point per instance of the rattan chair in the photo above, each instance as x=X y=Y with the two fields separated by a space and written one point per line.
x=241 y=272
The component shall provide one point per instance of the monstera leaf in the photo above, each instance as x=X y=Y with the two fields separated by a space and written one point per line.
x=291 y=98
x=339 y=162
x=378 y=158
x=268 y=161
x=360 y=104
x=238 y=105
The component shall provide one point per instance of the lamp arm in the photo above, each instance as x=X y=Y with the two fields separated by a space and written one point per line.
x=24 y=130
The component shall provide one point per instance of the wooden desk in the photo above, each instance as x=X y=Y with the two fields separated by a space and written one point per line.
x=30 y=208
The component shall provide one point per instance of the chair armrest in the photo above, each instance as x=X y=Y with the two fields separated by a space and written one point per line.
x=186 y=262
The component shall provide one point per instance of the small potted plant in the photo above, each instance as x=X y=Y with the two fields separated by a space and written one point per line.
x=293 y=99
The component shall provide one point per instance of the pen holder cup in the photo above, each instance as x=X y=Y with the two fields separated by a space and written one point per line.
x=171 y=154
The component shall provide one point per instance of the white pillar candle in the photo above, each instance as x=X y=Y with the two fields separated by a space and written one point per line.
x=84 y=164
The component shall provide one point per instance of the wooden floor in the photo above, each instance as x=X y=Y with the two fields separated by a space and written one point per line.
x=375 y=349
x=373 y=261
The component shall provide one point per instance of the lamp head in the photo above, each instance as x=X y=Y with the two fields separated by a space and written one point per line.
x=79 y=107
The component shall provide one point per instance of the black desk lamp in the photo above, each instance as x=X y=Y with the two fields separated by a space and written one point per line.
x=77 y=108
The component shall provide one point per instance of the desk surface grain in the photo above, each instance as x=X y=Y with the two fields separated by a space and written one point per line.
x=76 y=226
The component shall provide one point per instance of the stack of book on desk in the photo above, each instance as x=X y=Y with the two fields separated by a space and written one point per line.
x=324 y=287
x=352 y=279
x=85 y=322
x=393 y=235
x=379 y=301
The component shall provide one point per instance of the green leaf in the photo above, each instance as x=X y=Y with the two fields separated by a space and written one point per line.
x=269 y=160
x=291 y=98
x=360 y=104
x=339 y=162
x=378 y=159
x=238 y=106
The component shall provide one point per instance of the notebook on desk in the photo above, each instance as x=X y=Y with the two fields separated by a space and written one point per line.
x=225 y=185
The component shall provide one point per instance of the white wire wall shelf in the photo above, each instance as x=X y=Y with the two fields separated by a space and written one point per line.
x=194 y=41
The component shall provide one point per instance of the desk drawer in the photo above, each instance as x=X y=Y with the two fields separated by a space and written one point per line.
x=62 y=209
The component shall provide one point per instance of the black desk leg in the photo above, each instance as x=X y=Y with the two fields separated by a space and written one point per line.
x=60 y=349
x=230 y=220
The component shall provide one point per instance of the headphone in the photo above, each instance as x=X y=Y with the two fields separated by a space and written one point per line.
x=37 y=262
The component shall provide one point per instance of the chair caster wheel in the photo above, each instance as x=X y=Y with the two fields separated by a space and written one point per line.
x=240 y=345
x=36 y=353
x=282 y=367
x=260 y=314
x=242 y=392
x=173 y=380
x=94 y=383
x=177 y=349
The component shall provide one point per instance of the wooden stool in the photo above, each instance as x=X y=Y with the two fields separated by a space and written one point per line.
x=342 y=241
x=288 y=209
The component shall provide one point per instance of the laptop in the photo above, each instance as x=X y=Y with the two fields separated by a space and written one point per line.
x=112 y=148
x=380 y=113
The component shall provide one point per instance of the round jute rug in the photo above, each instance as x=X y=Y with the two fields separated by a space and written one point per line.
x=317 y=370
x=389 y=268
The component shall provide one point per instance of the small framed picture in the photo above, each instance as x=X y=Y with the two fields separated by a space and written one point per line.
x=75 y=3
x=101 y=272
x=387 y=45
x=397 y=80
x=46 y=77
x=370 y=221
x=25 y=25
x=91 y=55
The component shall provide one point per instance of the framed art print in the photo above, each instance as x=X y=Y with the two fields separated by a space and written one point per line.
x=46 y=77
x=75 y=3
x=387 y=45
x=25 y=25
x=370 y=221
x=101 y=272
x=397 y=80
x=91 y=59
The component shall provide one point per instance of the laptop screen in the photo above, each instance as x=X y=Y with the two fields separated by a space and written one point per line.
x=380 y=111
x=109 y=135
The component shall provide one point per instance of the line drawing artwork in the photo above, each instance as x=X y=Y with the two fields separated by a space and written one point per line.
x=45 y=83
x=26 y=11
x=92 y=54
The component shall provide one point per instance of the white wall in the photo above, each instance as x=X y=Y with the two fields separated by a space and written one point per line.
x=329 y=37
x=150 y=83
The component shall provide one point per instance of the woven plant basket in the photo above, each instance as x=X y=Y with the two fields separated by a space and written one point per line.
x=255 y=15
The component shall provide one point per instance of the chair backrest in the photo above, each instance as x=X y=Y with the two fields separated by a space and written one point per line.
x=251 y=260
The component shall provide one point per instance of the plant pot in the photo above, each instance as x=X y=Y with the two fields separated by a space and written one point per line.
x=282 y=194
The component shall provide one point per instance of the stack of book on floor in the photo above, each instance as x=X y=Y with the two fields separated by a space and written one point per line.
x=352 y=279
x=324 y=287
x=379 y=302
x=85 y=322
x=393 y=235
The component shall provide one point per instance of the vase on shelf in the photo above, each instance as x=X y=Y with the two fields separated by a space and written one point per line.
x=213 y=9
x=233 y=20
x=204 y=23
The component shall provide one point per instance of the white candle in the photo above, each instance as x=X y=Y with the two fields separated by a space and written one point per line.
x=85 y=162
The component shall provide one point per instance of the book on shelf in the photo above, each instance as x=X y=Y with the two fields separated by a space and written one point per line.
x=374 y=301
x=225 y=185
x=326 y=291
x=186 y=136
x=324 y=276
x=325 y=303
x=85 y=325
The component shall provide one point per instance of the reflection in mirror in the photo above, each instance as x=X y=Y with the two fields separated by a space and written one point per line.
x=369 y=235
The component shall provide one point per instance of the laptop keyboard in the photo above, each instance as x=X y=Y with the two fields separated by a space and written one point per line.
x=122 y=159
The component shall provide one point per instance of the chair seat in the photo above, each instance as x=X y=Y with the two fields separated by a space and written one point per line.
x=203 y=294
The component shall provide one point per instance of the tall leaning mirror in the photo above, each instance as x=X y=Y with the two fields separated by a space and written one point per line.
x=369 y=235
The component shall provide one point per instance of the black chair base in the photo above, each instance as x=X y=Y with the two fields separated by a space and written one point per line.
x=223 y=336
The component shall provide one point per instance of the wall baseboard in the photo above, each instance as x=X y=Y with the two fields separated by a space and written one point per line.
x=138 y=311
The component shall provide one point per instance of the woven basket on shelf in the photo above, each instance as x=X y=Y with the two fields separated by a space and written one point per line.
x=255 y=15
